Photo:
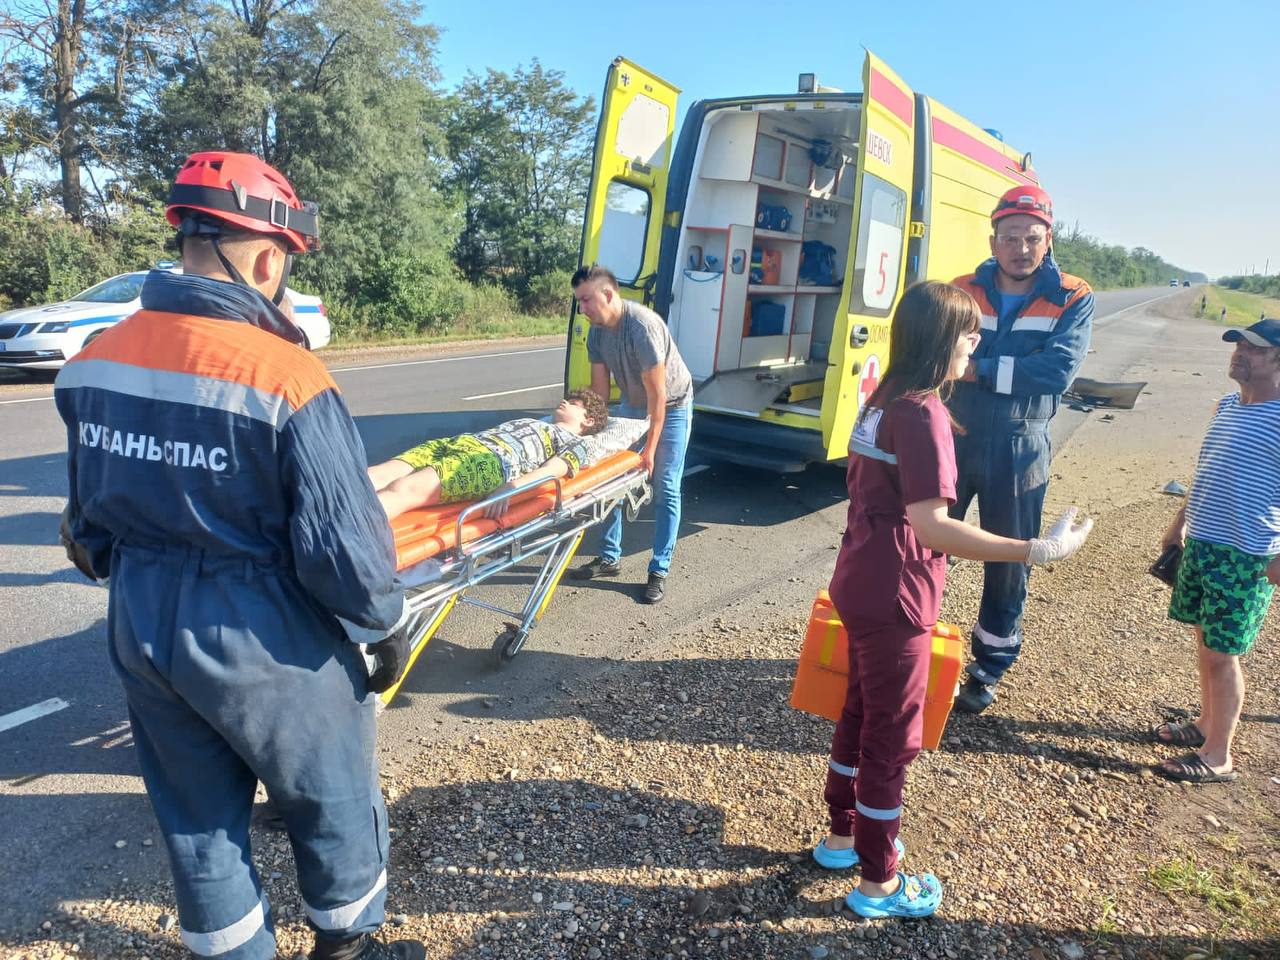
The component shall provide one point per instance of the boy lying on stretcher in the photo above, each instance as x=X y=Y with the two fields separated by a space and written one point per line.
x=472 y=466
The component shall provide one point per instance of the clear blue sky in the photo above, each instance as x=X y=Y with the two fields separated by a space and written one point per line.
x=1152 y=124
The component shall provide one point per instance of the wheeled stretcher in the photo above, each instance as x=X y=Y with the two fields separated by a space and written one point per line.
x=443 y=552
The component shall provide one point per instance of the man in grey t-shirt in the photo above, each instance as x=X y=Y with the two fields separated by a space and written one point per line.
x=632 y=343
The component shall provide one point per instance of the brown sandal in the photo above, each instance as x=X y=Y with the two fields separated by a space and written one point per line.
x=1192 y=769
x=1175 y=733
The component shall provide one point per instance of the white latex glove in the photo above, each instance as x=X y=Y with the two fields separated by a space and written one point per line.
x=1064 y=538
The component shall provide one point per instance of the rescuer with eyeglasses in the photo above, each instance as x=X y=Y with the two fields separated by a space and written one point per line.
x=1036 y=324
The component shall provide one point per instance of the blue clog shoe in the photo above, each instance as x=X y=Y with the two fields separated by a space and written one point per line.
x=844 y=859
x=916 y=896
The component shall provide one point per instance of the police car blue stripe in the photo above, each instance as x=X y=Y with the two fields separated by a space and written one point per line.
x=86 y=322
x=174 y=387
x=306 y=309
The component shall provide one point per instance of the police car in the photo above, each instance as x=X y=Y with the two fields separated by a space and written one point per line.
x=42 y=338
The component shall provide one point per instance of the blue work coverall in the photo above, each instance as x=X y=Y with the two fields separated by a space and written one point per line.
x=217 y=479
x=1024 y=363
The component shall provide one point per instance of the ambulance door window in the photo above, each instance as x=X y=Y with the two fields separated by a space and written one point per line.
x=623 y=230
x=878 y=261
x=642 y=132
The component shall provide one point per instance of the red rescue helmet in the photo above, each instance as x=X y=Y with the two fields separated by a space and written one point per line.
x=243 y=192
x=1028 y=200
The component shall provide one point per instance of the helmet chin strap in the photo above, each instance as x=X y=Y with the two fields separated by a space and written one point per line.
x=235 y=274
x=278 y=296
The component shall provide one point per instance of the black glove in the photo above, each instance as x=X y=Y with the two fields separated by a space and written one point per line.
x=391 y=656
x=75 y=553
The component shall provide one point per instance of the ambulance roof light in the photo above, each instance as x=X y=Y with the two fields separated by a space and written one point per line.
x=809 y=84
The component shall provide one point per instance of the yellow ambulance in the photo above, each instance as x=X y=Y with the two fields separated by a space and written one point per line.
x=776 y=237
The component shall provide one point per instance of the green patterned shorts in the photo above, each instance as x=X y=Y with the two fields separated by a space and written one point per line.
x=1224 y=591
x=468 y=470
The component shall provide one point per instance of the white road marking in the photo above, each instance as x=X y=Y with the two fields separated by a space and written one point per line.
x=25 y=400
x=33 y=712
x=477 y=356
x=507 y=393
x=385 y=366
x=518 y=353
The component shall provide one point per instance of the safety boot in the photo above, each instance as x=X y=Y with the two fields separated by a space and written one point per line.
x=599 y=567
x=974 y=696
x=655 y=589
x=365 y=947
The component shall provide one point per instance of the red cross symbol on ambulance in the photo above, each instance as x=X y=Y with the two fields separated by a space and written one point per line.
x=870 y=380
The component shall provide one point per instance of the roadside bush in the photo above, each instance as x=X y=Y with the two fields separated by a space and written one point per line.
x=349 y=321
x=487 y=307
x=549 y=294
x=45 y=257
x=1265 y=285
x=74 y=260
x=415 y=294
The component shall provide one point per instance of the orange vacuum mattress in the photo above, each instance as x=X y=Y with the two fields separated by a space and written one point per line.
x=420 y=534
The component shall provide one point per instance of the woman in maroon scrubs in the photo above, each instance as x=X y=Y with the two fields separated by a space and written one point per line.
x=887 y=589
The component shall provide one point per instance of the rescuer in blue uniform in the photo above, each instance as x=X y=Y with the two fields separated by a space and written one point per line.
x=1036 y=323
x=217 y=480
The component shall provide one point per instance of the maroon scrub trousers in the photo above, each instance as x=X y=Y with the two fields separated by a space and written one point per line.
x=887 y=589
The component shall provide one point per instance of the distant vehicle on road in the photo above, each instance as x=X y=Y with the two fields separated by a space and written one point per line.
x=1186 y=283
x=44 y=338
x=1173 y=282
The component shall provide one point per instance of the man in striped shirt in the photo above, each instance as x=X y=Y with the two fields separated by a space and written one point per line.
x=1229 y=530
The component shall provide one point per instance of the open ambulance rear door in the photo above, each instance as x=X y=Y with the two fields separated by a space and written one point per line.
x=874 y=273
x=626 y=203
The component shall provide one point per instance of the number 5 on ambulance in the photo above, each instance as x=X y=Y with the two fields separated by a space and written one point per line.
x=887 y=187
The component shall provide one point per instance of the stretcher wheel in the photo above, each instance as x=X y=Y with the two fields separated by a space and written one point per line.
x=508 y=643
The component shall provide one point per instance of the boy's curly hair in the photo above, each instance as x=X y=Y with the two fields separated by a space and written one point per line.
x=597 y=410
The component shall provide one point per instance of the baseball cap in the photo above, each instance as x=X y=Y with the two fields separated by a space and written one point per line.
x=1264 y=333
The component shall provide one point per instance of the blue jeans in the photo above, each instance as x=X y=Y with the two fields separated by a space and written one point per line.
x=668 y=472
x=1009 y=474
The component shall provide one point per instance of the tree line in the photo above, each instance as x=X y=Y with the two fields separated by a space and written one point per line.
x=1107 y=266
x=432 y=202
x=1266 y=285
x=435 y=204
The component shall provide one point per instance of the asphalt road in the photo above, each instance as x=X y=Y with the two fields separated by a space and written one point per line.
x=68 y=778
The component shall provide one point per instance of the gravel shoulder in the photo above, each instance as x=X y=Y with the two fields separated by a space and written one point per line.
x=666 y=809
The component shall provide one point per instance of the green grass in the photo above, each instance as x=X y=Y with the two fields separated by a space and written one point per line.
x=1106 y=925
x=1234 y=895
x=1242 y=308
x=1229 y=842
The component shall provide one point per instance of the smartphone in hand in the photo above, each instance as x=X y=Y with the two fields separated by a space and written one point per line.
x=1166 y=566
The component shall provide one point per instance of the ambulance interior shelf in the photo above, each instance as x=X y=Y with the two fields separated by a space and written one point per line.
x=759 y=214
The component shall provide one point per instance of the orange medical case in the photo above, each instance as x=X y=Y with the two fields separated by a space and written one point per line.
x=822 y=674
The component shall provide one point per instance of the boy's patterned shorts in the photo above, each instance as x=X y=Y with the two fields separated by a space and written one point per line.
x=1224 y=591
x=468 y=470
